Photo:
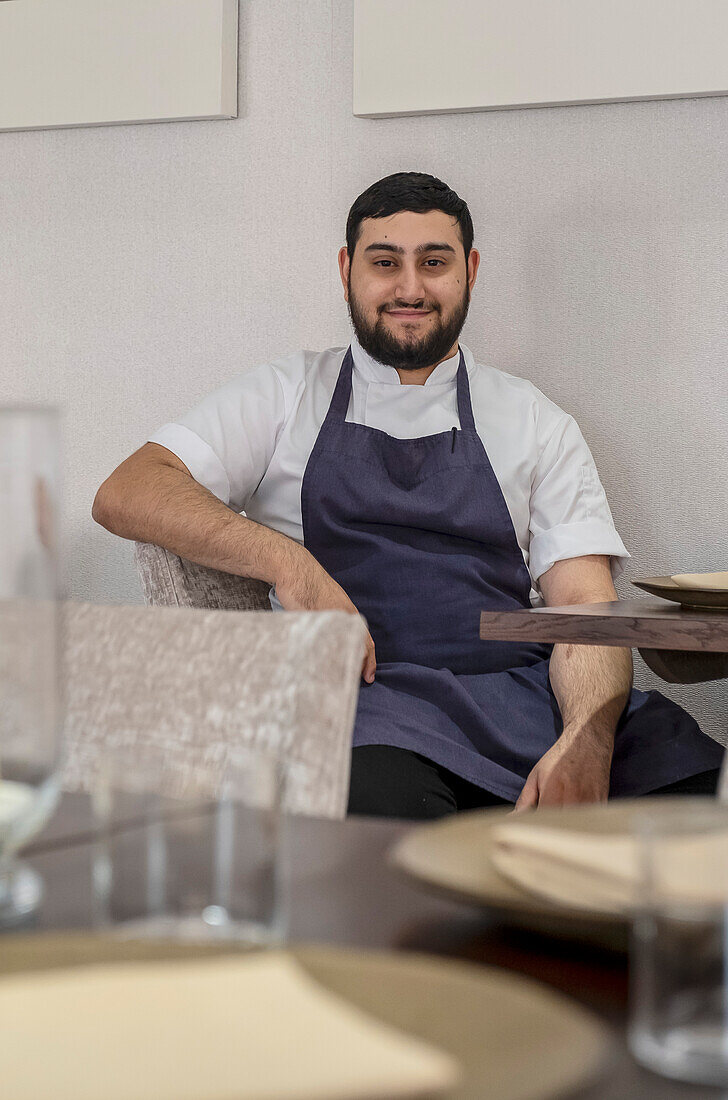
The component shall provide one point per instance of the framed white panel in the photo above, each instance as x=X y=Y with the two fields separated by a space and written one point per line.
x=426 y=57
x=95 y=62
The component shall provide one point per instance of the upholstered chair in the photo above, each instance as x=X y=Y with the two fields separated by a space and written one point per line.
x=171 y=581
x=196 y=682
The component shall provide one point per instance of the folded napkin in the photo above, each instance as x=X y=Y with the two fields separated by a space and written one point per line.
x=603 y=872
x=717 y=582
x=251 y=1028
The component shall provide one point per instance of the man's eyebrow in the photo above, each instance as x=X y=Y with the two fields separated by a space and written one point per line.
x=431 y=246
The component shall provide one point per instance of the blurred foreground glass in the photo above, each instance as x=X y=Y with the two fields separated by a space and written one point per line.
x=30 y=713
x=189 y=851
x=679 y=955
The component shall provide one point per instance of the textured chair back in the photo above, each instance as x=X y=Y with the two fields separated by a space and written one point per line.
x=171 y=581
x=197 y=682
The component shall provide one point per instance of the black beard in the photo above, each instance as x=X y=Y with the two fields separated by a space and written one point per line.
x=383 y=346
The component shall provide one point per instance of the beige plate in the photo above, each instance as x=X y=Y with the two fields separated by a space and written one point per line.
x=668 y=589
x=514 y=1039
x=453 y=855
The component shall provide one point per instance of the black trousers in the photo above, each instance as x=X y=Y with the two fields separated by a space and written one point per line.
x=392 y=782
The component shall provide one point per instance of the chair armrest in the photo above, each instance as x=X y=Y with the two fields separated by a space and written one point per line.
x=170 y=581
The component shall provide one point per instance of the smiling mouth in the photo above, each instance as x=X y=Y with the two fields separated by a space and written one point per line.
x=408 y=313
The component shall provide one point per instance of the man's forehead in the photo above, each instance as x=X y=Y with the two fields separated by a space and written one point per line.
x=410 y=228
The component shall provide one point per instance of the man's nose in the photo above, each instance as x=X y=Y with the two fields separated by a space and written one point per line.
x=410 y=288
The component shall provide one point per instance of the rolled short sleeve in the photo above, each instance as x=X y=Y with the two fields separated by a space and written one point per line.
x=228 y=440
x=570 y=515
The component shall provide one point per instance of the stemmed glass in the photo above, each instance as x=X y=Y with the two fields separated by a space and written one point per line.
x=30 y=711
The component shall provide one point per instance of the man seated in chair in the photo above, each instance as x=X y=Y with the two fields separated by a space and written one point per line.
x=401 y=479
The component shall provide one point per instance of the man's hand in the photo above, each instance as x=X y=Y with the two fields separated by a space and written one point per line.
x=575 y=769
x=304 y=585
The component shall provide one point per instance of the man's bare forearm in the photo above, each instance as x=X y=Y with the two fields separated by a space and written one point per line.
x=169 y=508
x=591 y=685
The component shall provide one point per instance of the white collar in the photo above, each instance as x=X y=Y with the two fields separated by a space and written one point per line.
x=374 y=371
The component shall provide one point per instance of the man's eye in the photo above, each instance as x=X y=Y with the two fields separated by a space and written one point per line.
x=432 y=260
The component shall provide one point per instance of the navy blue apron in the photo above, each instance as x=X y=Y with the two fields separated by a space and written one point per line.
x=418 y=534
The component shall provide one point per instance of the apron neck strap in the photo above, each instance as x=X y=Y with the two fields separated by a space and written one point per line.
x=465 y=407
x=340 y=401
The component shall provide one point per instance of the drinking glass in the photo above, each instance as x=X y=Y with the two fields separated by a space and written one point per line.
x=190 y=850
x=30 y=712
x=679 y=953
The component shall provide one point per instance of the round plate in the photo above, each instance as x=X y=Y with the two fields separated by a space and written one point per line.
x=513 y=1038
x=696 y=598
x=454 y=855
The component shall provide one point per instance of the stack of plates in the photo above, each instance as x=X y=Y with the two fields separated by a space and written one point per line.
x=696 y=590
x=469 y=856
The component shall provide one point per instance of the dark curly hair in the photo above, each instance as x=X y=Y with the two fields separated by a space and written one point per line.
x=414 y=191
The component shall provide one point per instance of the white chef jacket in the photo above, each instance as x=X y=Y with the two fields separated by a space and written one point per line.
x=249 y=442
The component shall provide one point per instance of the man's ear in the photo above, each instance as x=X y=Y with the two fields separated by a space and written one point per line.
x=473 y=265
x=344 y=271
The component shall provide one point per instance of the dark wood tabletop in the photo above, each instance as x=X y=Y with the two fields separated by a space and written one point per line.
x=344 y=892
x=682 y=645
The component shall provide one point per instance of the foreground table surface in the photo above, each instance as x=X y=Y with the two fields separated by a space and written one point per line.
x=681 y=645
x=344 y=892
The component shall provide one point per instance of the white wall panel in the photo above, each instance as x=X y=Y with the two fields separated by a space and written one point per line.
x=423 y=56
x=90 y=62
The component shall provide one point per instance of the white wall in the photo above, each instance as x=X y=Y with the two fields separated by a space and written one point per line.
x=143 y=265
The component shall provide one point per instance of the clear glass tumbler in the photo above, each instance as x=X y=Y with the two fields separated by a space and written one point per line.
x=30 y=711
x=679 y=953
x=187 y=850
